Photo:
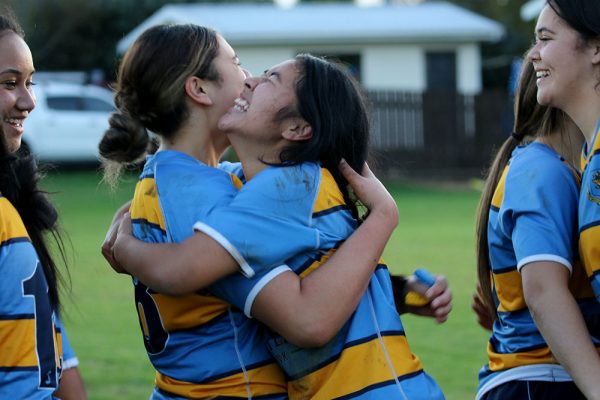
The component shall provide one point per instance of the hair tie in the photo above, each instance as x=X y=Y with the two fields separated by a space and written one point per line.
x=518 y=137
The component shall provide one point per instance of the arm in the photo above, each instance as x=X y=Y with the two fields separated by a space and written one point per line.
x=545 y=286
x=187 y=261
x=71 y=386
x=309 y=312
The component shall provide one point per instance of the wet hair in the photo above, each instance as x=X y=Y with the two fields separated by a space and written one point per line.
x=150 y=93
x=531 y=121
x=331 y=101
x=19 y=178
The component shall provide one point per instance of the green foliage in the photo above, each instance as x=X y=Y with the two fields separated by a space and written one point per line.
x=435 y=231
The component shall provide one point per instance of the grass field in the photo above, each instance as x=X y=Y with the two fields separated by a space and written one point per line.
x=435 y=231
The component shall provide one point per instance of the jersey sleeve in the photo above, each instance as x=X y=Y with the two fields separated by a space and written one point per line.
x=589 y=222
x=539 y=211
x=241 y=291
x=270 y=219
x=70 y=360
x=188 y=192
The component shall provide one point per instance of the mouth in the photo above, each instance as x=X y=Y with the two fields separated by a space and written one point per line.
x=15 y=122
x=241 y=105
x=542 y=73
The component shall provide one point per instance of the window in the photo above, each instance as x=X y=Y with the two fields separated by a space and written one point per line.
x=64 y=103
x=94 y=104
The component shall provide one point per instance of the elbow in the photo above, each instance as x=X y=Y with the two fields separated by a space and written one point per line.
x=310 y=335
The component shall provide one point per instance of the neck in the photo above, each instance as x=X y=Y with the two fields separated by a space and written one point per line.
x=199 y=143
x=586 y=113
x=254 y=156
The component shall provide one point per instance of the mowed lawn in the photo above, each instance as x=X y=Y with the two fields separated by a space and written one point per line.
x=435 y=231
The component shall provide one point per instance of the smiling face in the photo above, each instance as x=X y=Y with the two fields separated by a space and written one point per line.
x=562 y=61
x=266 y=101
x=231 y=79
x=16 y=94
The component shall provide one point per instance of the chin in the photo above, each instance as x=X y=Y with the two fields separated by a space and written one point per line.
x=543 y=100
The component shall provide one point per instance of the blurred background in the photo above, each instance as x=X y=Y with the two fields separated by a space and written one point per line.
x=440 y=74
x=440 y=77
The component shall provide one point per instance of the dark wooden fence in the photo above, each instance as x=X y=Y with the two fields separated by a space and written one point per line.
x=437 y=134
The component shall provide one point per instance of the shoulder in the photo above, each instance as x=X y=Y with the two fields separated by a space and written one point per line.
x=538 y=166
x=11 y=224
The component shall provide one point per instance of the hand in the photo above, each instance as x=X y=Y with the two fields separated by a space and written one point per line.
x=370 y=191
x=484 y=318
x=123 y=235
x=439 y=296
x=111 y=235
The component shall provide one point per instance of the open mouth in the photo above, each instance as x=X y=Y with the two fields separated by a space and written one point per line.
x=241 y=105
x=15 y=122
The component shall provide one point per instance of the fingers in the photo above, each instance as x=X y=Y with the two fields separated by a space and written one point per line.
x=441 y=299
x=125 y=225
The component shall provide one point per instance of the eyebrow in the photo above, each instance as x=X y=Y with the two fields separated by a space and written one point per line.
x=14 y=71
x=544 y=29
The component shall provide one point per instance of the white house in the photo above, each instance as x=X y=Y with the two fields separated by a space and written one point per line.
x=390 y=47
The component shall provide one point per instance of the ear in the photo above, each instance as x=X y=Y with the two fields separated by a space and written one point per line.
x=296 y=130
x=195 y=90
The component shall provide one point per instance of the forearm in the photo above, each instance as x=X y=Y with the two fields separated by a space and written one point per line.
x=559 y=319
x=311 y=311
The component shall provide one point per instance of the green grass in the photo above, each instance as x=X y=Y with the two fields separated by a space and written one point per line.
x=435 y=231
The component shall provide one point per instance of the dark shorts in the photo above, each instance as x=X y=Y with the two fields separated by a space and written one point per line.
x=534 y=390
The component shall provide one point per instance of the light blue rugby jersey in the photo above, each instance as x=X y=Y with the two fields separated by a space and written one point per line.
x=30 y=331
x=533 y=217
x=265 y=224
x=199 y=345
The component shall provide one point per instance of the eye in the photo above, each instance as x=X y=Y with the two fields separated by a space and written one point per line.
x=10 y=84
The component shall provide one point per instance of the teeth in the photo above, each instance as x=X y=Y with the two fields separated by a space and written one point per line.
x=541 y=74
x=14 y=121
x=241 y=105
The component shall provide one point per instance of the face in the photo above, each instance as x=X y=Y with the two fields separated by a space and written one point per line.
x=232 y=77
x=16 y=94
x=255 y=111
x=562 y=61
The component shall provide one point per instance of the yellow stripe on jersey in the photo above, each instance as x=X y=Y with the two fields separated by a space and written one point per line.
x=11 y=225
x=509 y=289
x=504 y=361
x=266 y=380
x=237 y=182
x=145 y=203
x=329 y=195
x=363 y=365
x=499 y=193
x=589 y=251
x=18 y=343
x=189 y=311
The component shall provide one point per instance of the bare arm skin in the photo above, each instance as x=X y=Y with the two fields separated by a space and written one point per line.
x=555 y=311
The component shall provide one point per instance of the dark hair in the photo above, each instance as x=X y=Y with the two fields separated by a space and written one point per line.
x=531 y=120
x=150 y=92
x=331 y=101
x=19 y=178
x=581 y=15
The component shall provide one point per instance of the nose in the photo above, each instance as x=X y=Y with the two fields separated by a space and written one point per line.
x=251 y=82
x=26 y=100
x=533 y=54
x=247 y=73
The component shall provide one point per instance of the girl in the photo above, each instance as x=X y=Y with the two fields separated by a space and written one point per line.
x=529 y=276
x=301 y=113
x=32 y=342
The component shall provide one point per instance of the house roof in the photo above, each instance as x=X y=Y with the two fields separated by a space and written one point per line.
x=531 y=9
x=328 y=23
